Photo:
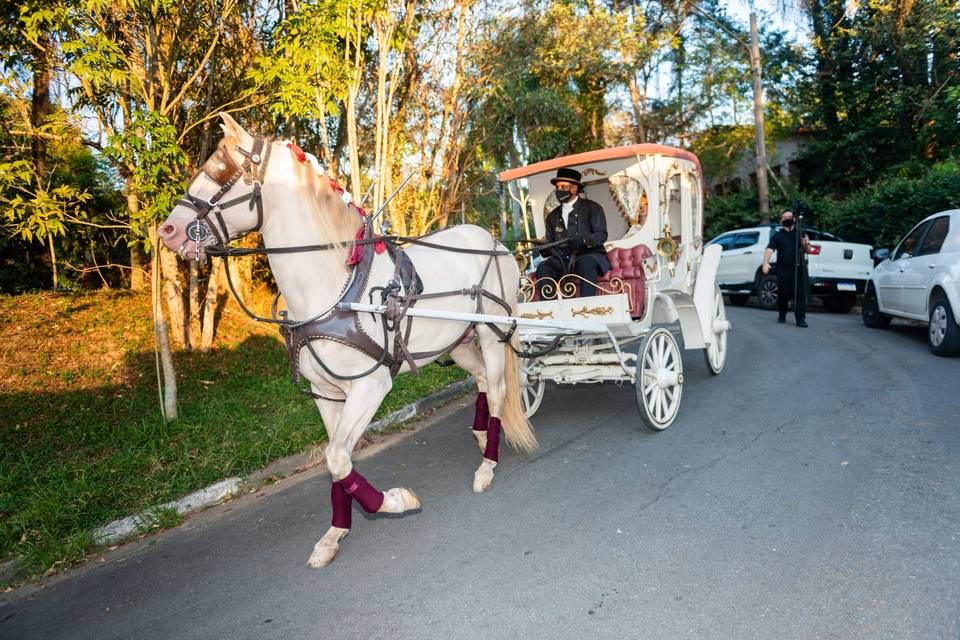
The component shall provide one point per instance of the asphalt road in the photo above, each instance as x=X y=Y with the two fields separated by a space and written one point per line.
x=809 y=491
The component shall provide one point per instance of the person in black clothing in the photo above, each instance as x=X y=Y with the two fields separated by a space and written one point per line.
x=791 y=269
x=583 y=224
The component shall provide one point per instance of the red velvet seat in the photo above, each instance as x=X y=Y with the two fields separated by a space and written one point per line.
x=627 y=265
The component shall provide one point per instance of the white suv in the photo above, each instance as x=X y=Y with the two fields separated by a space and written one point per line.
x=920 y=280
x=838 y=270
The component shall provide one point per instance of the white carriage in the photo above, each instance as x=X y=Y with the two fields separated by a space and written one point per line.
x=662 y=280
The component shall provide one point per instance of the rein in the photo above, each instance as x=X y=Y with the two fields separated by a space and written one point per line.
x=224 y=171
x=236 y=252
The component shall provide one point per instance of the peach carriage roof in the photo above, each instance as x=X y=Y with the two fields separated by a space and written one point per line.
x=599 y=155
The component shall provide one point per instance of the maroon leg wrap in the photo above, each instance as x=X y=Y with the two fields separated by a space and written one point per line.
x=492 y=452
x=481 y=415
x=342 y=505
x=358 y=487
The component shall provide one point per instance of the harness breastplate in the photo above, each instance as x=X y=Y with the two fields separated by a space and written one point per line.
x=340 y=325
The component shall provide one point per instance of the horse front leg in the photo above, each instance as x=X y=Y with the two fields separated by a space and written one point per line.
x=363 y=399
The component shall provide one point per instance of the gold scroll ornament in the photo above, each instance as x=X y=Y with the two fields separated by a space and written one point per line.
x=585 y=311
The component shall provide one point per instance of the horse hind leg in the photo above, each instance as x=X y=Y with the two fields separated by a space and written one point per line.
x=468 y=357
x=494 y=359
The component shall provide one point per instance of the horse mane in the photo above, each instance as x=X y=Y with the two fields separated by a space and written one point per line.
x=338 y=221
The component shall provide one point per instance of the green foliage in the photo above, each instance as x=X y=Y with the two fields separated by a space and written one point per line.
x=724 y=213
x=878 y=214
x=882 y=213
x=544 y=97
x=885 y=89
x=149 y=145
x=36 y=212
x=306 y=70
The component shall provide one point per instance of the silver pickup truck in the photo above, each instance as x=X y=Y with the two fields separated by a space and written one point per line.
x=838 y=270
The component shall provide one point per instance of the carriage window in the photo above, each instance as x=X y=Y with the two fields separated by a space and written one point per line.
x=695 y=204
x=631 y=199
x=673 y=205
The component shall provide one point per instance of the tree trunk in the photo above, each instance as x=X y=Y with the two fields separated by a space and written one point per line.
x=211 y=305
x=41 y=107
x=138 y=280
x=173 y=293
x=39 y=110
x=193 y=328
x=167 y=376
x=53 y=261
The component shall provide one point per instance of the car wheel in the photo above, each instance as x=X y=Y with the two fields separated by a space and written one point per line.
x=767 y=292
x=870 y=312
x=739 y=299
x=840 y=303
x=943 y=334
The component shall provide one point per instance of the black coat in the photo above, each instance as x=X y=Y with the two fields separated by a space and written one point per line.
x=586 y=219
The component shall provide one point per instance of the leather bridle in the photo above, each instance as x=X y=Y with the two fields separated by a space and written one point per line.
x=224 y=171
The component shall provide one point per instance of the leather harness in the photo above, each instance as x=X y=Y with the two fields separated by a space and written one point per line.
x=336 y=324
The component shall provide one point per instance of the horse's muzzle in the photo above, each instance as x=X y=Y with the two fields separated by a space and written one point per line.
x=186 y=236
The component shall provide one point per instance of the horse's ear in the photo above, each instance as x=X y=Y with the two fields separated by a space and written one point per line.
x=232 y=129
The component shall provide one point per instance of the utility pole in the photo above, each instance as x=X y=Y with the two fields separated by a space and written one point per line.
x=759 y=140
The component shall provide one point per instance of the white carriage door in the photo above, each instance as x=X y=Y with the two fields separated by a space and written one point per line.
x=687 y=232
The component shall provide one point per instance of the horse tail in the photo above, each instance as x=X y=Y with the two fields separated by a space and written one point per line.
x=517 y=428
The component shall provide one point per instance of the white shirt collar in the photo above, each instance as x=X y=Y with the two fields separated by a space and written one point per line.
x=566 y=208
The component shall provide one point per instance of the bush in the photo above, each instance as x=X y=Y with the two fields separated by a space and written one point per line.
x=879 y=214
x=883 y=212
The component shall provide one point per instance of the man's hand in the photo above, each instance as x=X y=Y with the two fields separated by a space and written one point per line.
x=579 y=242
x=767 y=254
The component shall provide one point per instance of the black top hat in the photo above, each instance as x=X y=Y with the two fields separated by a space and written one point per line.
x=567 y=175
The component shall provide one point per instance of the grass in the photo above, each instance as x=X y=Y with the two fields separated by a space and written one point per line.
x=82 y=441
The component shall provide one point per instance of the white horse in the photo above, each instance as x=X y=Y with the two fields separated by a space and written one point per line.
x=301 y=207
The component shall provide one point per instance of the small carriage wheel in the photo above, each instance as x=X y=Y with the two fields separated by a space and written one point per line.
x=531 y=392
x=716 y=352
x=659 y=379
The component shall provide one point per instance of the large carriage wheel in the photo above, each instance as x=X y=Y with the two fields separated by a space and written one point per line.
x=531 y=390
x=716 y=352
x=659 y=379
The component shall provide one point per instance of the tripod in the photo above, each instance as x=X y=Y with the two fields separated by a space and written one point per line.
x=800 y=268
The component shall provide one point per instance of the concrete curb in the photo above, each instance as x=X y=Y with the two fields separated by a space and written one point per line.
x=130 y=526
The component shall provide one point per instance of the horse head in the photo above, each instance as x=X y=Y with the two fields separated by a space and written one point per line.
x=222 y=201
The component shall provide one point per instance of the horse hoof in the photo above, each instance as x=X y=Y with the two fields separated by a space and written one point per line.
x=481 y=438
x=483 y=477
x=399 y=500
x=323 y=554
